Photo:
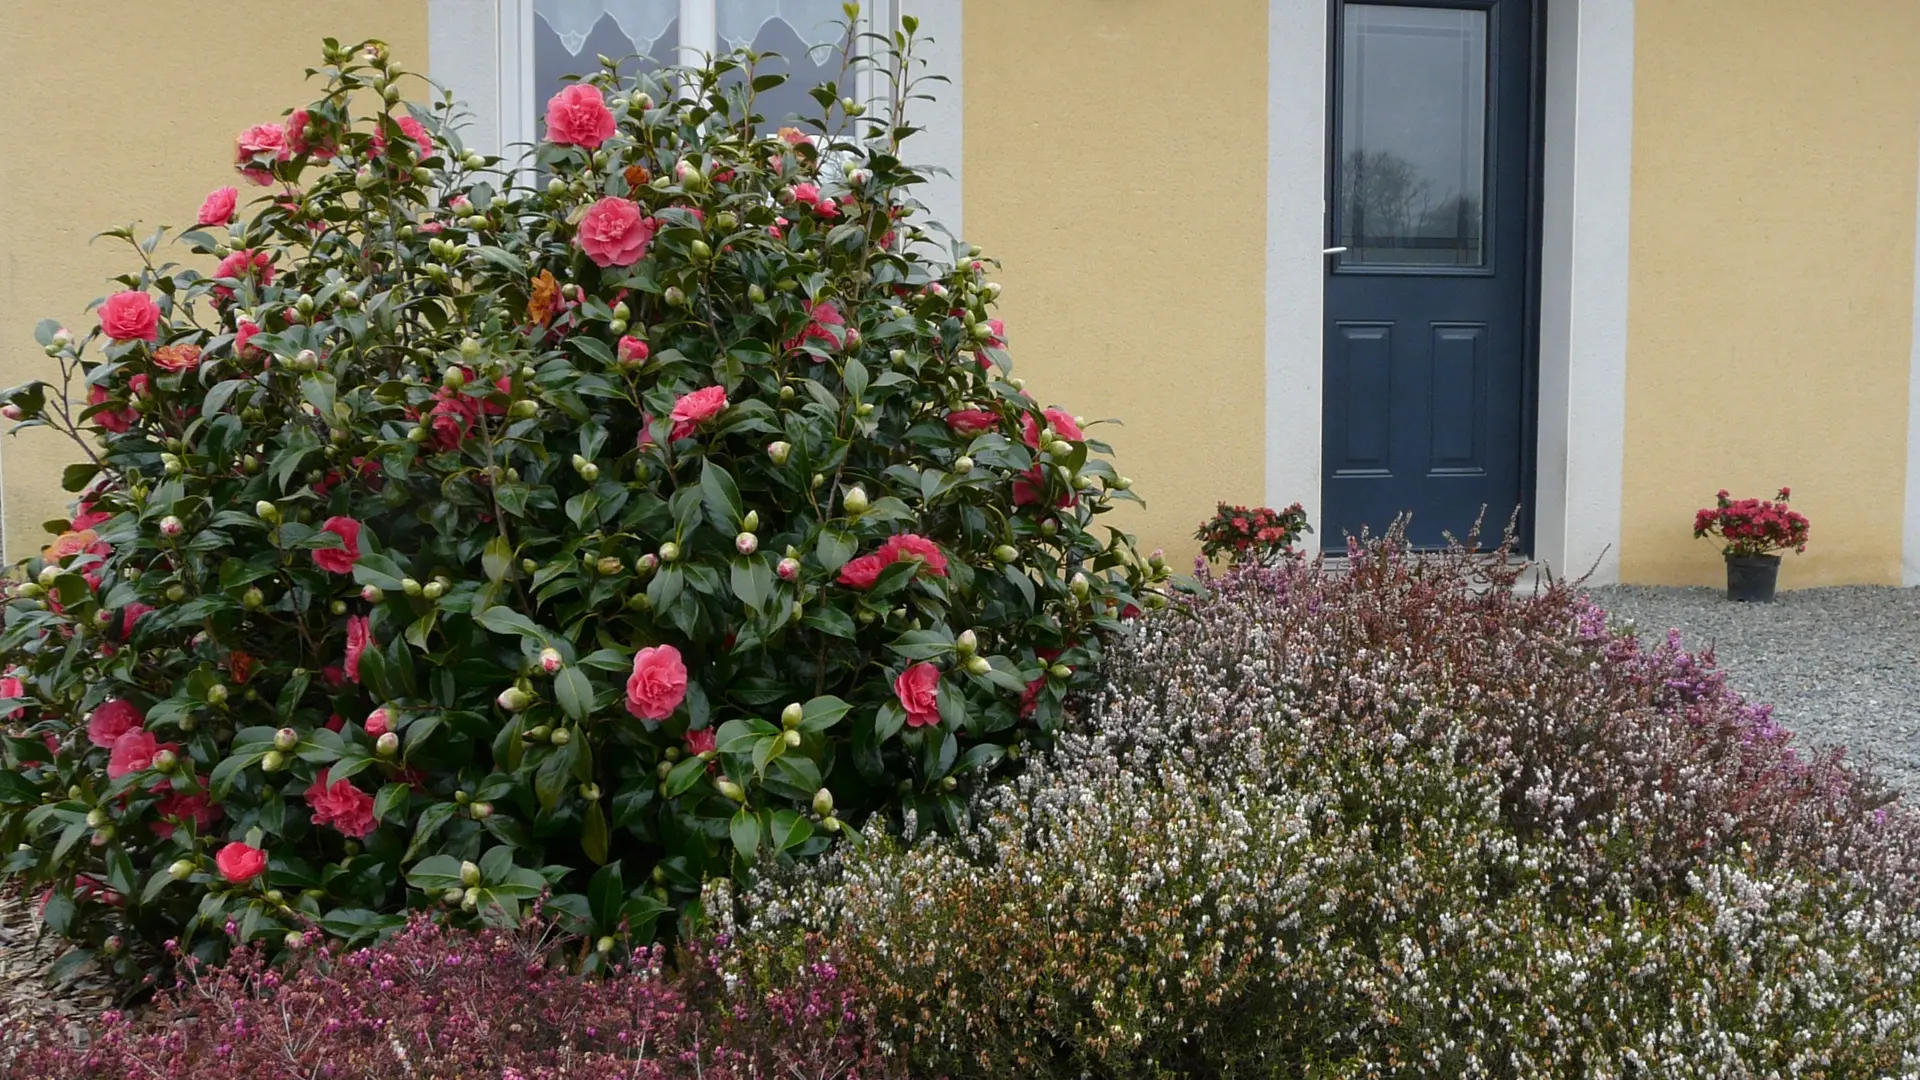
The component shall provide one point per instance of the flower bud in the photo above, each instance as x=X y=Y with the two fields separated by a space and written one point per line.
x=700 y=250
x=13 y=412
x=274 y=761
x=777 y=452
x=286 y=739
x=469 y=874
x=793 y=739
x=963 y=464
x=514 y=699
x=49 y=574
x=618 y=326
x=1006 y=553
x=471 y=902
x=171 y=526
x=338 y=607
x=181 y=869
x=966 y=644
x=378 y=722
x=1060 y=671
x=410 y=587
x=481 y=811
x=1082 y=482
x=387 y=745
x=561 y=736
x=372 y=594
x=470 y=348
x=669 y=552
x=831 y=825
x=609 y=565
x=731 y=790
x=98 y=819
x=977 y=665
x=1080 y=586
x=1049 y=527
x=646 y=564
x=604 y=945
x=746 y=543
x=948 y=783
x=855 y=500
x=453 y=378
x=1157 y=560
x=756 y=294
x=788 y=569
x=675 y=296
x=175 y=593
x=556 y=187
x=433 y=590
x=590 y=792
x=524 y=409
x=791 y=716
x=550 y=661
x=217 y=694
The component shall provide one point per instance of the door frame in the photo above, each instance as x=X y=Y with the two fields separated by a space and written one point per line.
x=1572 y=460
x=1530 y=266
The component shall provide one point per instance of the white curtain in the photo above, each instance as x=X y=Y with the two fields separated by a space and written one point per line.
x=813 y=21
x=642 y=21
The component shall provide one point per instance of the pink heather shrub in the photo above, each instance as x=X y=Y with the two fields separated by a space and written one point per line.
x=1402 y=822
x=437 y=1002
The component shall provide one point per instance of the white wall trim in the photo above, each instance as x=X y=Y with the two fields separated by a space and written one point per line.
x=943 y=144
x=1910 y=540
x=1296 y=232
x=463 y=56
x=1588 y=182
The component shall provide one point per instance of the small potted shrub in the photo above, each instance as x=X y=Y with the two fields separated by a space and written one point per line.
x=1753 y=529
x=1258 y=534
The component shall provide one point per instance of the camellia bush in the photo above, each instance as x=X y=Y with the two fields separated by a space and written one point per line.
x=450 y=532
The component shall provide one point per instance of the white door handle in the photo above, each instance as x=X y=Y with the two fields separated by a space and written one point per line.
x=1333 y=251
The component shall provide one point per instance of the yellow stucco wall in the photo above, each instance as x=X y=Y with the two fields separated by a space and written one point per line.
x=1771 y=292
x=113 y=112
x=1116 y=164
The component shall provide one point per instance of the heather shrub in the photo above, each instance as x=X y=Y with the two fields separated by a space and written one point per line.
x=451 y=540
x=431 y=1001
x=1400 y=822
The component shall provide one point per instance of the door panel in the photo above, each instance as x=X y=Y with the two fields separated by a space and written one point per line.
x=1430 y=198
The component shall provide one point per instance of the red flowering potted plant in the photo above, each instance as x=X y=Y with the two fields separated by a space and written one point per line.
x=1259 y=534
x=1752 y=530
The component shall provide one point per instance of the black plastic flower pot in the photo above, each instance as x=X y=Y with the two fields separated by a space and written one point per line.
x=1751 y=578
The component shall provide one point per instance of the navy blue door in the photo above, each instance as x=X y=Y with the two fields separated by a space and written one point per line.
x=1427 y=289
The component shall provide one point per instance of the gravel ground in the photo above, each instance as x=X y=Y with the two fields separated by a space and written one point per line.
x=1840 y=666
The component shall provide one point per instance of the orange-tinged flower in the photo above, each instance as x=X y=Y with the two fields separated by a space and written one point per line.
x=545 y=301
x=638 y=176
x=68 y=544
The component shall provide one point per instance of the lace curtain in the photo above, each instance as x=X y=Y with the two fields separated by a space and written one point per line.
x=644 y=21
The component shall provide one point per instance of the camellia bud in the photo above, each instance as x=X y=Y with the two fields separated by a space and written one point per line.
x=469 y=874
x=286 y=739
x=372 y=594
x=274 y=761
x=608 y=565
x=1157 y=560
x=175 y=593
x=646 y=564
x=181 y=869
x=171 y=526
x=669 y=552
x=793 y=739
x=978 y=665
x=514 y=699
x=306 y=360
x=165 y=760
x=97 y=818
x=746 y=543
x=777 y=452
x=731 y=790
x=1006 y=553
x=751 y=522
x=1122 y=483
x=855 y=500
x=550 y=661
x=604 y=945
x=788 y=569
x=433 y=590
x=675 y=296
x=791 y=716
x=966 y=644
x=756 y=294
x=49 y=574
x=561 y=736
x=338 y=607
x=524 y=409
x=453 y=378
x=410 y=587
x=963 y=464
x=948 y=783
x=823 y=803
x=387 y=745
x=217 y=694
x=481 y=811
x=1060 y=671
x=700 y=250
x=1080 y=586
x=831 y=825
x=590 y=792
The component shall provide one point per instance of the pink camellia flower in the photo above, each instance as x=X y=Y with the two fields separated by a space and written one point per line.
x=615 y=233
x=304 y=136
x=972 y=421
x=177 y=358
x=915 y=548
x=341 y=805
x=339 y=560
x=111 y=719
x=1059 y=422
x=700 y=742
x=130 y=617
x=86 y=517
x=578 y=116
x=697 y=408
x=411 y=130
x=809 y=195
x=197 y=807
x=243 y=336
x=219 y=207
x=862 y=572
x=658 y=683
x=359 y=636
x=13 y=689
x=998 y=340
x=240 y=863
x=378 y=723
x=256 y=141
x=241 y=266
x=820 y=316
x=632 y=350
x=452 y=418
x=133 y=752
x=1030 y=697
x=114 y=420
x=1029 y=489
x=918 y=689
x=130 y=316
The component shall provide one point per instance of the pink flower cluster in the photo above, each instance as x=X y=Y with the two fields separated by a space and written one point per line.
x=1753 y=526
x=862 y=572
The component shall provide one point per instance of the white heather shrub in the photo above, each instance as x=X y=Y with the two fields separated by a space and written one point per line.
x=1395 y=825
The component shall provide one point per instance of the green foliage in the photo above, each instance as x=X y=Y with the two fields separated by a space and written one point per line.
x=376 y=525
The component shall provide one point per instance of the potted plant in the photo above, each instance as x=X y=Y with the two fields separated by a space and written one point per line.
x=1753 y=529
x=1259 y=534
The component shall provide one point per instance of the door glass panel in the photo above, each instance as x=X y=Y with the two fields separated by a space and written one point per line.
x=1412 y=143
x=569 y=36
x=805 y=33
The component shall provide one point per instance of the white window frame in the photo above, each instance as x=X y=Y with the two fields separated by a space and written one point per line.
x=482 y=50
